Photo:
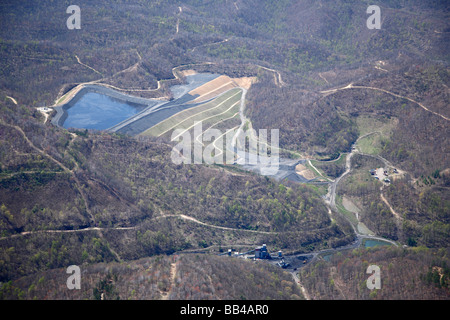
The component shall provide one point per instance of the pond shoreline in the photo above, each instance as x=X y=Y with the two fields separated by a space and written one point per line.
x=61 y=110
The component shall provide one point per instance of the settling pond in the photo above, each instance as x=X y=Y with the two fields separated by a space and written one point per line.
x=100 y=108
x=366 y=243
x=98 y=111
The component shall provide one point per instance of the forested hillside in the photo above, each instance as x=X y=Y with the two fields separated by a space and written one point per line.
x=183 y=277
x=56 y=197
x=415 y=274
x=331 y=86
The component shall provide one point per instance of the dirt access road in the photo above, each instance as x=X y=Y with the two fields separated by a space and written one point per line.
x=351 y=86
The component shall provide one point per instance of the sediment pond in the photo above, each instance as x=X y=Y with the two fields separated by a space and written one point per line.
x=98 y=111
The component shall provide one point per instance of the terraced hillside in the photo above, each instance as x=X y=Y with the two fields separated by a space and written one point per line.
x=226 y=106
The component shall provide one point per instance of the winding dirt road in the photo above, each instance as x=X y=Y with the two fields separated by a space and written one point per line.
x=351 y=86
x=185 y=217
x=83 y=64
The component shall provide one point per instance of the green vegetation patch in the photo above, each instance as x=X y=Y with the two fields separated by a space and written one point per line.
x=374 y=132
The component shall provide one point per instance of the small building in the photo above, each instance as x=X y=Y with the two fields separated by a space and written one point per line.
x=262 y=253
x=373 y=171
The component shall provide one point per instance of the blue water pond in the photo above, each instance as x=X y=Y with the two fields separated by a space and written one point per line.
x=98 y=111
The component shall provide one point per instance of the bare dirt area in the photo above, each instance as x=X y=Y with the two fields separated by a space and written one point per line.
x=173 y=272
x=213 y=88
x=186 y=73
x=45 y=112
x=304 y=172
x=245 y=82
x=12 y=99
x=218 y=86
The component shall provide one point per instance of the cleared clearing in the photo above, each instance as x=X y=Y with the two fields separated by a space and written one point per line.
x=245 y=82
x=304 y=172
x=220 y=108
x=373 y=130
x=186 y=73
x=213 y=88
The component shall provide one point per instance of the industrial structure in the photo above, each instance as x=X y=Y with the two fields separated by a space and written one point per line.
x=262 y=253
